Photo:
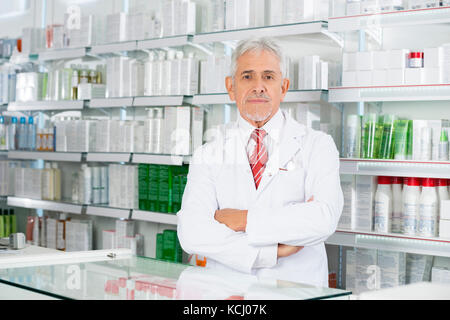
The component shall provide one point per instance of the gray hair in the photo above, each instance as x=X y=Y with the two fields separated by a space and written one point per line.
x=258 y=44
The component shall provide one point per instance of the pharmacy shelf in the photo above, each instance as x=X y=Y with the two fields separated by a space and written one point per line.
x=396 y=168
x=108 y=157
x=47 y=105
x=113 y=48
x=172 y=160
x=108 y=212
x=175 y=41
x=156 y=217
x=439 y=92
x=47 y=156
x=313 y=27
x=111 y=102
x=390 y=19
x=44 y=204
x=392 y=242
x=155 y=101
x=62 y=54
x=291 y=96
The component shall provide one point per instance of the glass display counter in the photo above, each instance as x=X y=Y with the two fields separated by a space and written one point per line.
x=100 y=275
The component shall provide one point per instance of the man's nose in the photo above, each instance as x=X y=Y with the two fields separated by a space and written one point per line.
x=259 y=87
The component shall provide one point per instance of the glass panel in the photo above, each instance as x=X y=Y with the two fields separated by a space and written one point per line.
x=138 y=278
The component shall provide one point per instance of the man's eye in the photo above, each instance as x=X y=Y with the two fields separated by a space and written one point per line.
x=269 y=77
x=247 y=76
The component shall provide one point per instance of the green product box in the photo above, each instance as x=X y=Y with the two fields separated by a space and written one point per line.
x=176 y=187
x=13 y=221
x=165 y=189
x=7 y=222
x=178 y=251
x=2 y=224
x=159 y=246
x=143 y=181
x=153 y=188
x=169 y=244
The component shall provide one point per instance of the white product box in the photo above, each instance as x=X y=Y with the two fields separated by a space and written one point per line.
x=189 y=71
x=396 y=77
x=274 y=12
x=186 y=11
x=446 y=62
x=364 y=78
x=418 y=268
x=433 y=57
x=433 y=76
x=370 y=6
x=353 y=8
x=348 y=186
x=379 y=77
x=197 y=115
x=444 y=229
x=322 y=76
x=308 y=115
x=440 y=275
x=109 y=239
x=414 y=76
x=177 y=124
x=88 y=91
x=445 y=210
x=393 y=268
x=350 y=270
x=365 y=192
x=116 y=27
x=349 y=79
x=398 y=59
x=307 y=72
x=349 y=61
x=51 y=233
x=418 y=125
x=242 y=14
x=364 y=60
x=366 y=263
x=380 y=60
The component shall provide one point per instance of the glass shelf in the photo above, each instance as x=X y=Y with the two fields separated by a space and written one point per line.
x=46 y=105
x=396 y=168
x=44 y=204
x=139 y=278
x=111 y=102
x=61 y=54
x=48 y=156
x=438 y=92
x=390 y=19
x=105 y=211
x=108 y=157
x=301 y=28
x=161 y=159
x=391 y=242
x=157 y=217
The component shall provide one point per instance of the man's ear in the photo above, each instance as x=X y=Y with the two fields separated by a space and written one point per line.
x=230 y=88
x=284 y=88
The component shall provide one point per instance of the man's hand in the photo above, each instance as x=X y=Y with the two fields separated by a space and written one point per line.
x=285 y=251
x=234 y=219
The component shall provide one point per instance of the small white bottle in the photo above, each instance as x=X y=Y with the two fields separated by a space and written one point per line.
x=442 y=190
x=426 y=144
x=85 y=185
x=383 y=205
x=428 y=210
x=353 y=137
x=397 y=204
x=411 y=203
x=148 y=75
x=157 y=133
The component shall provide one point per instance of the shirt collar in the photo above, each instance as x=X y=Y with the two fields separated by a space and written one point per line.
x=273 y=127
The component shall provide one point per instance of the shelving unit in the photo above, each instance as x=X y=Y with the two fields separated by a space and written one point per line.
x=390 y=19
x=108 y=157
x=438 y=92
x=101 y=211
x=61 y=54
x=47 y=105
x=172 y=160
x=396 y=168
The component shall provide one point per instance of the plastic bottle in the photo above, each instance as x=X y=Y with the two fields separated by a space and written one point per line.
x=353 y=137
x=12 y=130
x=22 y=133
x=371 y=140
x=2 y=224
x=387 y=140
x=3 y=134
x=383 y=205
x=442 y=190
x=48 y=183
x=397 y=204
x=61 y=232
x=13 y=221
x=31 y=141
x=443 y=146
x=56 y=181
x=86 y=184
x=158 y=120
x=426 y=144
x=428 y=211
x=411 y=203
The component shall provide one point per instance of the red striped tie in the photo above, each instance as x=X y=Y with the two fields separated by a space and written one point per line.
x=259 y=157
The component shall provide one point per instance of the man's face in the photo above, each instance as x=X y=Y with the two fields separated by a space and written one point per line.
x=258 y=87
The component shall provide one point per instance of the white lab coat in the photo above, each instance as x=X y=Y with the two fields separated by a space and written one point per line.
x=304 y=164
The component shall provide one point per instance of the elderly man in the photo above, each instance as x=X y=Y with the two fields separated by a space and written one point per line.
x=264 y=195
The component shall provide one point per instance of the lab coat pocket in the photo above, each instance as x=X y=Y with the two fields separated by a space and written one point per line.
x=290 y=186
